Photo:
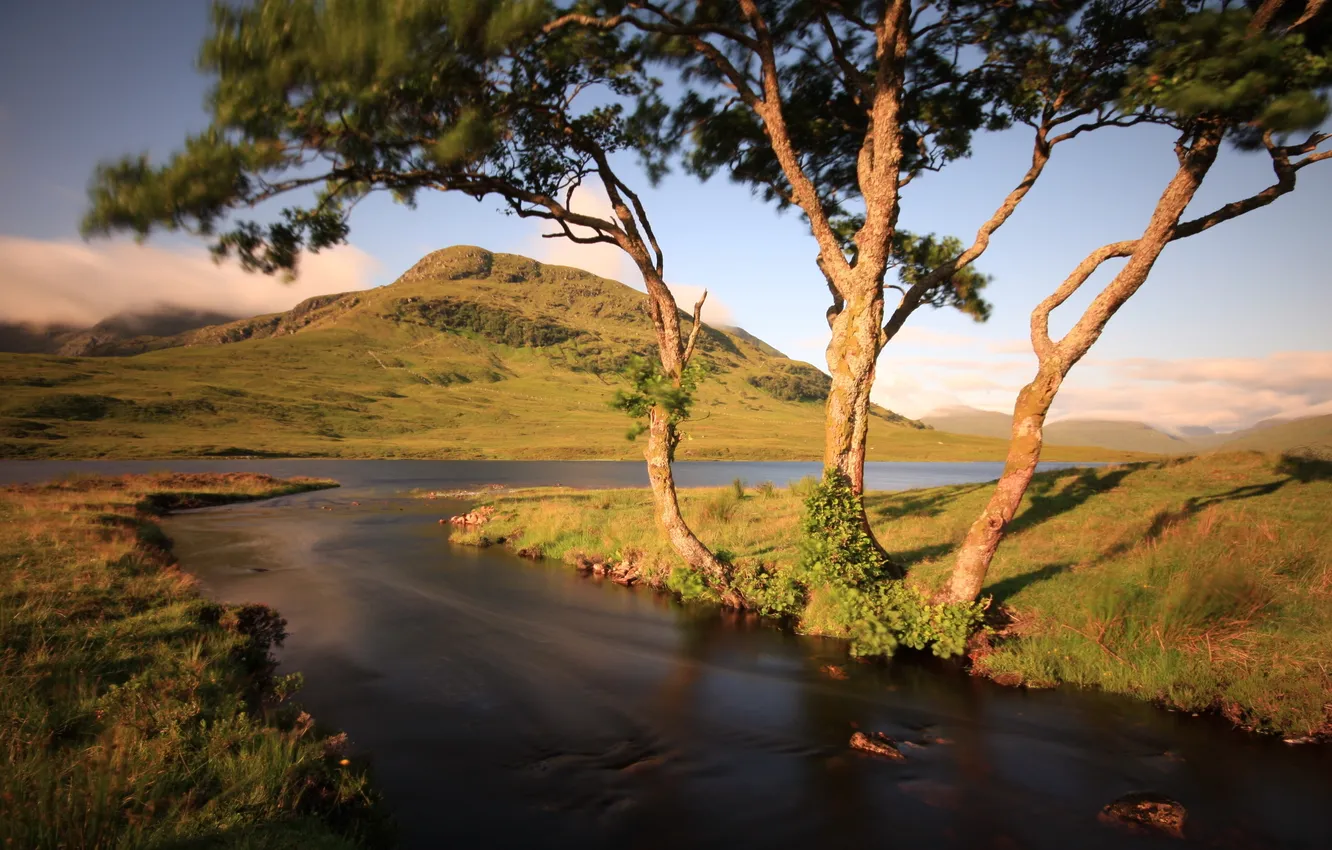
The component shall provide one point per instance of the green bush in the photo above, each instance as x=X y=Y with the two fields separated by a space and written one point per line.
x=877 y=612
x=689 y=584
x=794 y=382
x=769 y=591
x=491 y=323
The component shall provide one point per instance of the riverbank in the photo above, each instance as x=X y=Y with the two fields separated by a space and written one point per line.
x=1202 y=583
x=136 y=713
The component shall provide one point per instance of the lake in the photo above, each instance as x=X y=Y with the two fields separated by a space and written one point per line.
x=512 y=704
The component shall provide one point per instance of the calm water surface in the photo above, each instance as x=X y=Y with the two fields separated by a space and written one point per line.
x=395 y=476
x=511 y=704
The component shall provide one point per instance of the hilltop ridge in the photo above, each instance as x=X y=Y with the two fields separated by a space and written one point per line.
x=469 y=354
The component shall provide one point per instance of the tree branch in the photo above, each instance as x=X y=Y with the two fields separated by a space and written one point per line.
x=1285 y=173
x=693 y=332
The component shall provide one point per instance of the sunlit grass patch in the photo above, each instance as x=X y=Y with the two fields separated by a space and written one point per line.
x=1205 y=583
x=132 y=712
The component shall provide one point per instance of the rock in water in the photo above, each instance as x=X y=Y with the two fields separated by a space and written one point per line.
x=1146 y=812
x=879 y=745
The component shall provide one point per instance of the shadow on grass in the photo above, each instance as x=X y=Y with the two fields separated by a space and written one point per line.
x=924 y=553
x=1293 y=468
x=930 y=505
x=1305 y=468
x=1006 y=588
x=1046 y=500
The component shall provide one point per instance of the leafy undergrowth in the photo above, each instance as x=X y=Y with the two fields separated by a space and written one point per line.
x=134 y=713
x=1204 y=583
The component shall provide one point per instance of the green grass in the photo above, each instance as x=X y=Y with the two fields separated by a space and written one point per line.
x=133 y=713
x=468 y=355
x=1204 y=583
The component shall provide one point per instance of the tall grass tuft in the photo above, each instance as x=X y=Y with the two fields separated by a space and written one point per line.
x=135 y=713
x=803 y=487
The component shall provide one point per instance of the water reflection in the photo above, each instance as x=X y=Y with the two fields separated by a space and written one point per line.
x=515 y=704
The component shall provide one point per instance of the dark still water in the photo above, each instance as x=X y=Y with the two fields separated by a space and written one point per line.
x=512 y=704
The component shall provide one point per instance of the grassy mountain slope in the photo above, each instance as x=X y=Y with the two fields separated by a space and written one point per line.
x=1127 y=436
x=970 y=420
x=1124 y=436
x=1311 y=433
x=468 y=355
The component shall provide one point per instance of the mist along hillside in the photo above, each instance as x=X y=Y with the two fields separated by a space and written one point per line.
x=468 y=355
x=1305 y=435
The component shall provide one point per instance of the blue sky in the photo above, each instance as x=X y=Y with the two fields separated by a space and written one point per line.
x=82 y=82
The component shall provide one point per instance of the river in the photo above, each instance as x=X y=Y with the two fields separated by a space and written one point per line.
x=511 y=704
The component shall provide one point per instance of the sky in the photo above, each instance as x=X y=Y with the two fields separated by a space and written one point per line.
x=1231 y=328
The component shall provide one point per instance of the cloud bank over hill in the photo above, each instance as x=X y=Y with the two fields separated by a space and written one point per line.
x=72 y=283
x=924 y=370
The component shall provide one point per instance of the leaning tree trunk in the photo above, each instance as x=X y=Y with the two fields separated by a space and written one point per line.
x=1056 y=359
x=675 y=353
x=660 y=454
x=1024 y=452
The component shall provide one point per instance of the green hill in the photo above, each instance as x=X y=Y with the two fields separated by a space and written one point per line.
x=1312 y=433
x=1111 y=434
x=468 y=355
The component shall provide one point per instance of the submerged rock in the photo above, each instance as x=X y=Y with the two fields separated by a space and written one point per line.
x=1146 y=812
x=879 y=745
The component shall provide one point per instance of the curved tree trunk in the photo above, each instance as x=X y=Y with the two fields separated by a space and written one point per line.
x=1024 y=452
x=1056 y=359
x=662 y=437
x=660 y=454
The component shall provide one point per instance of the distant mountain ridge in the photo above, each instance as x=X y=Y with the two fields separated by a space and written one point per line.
x=1313 y=432
x=119 y=335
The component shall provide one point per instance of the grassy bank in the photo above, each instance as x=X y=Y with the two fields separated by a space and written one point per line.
x=134 y=713
x=1205 y=583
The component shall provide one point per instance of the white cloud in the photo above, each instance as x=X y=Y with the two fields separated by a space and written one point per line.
x=1222 y=393
x=715 y=312
x=602 y=259
x=52 y=282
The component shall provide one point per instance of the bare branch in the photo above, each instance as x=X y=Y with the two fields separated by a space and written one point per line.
x=855 y=80
x=770 y=110
x=1286 y=174
x=1040 y=156
x=693 y=332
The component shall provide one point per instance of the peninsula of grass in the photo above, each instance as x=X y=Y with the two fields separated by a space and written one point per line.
x=134 y=713
x=1202 y=583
